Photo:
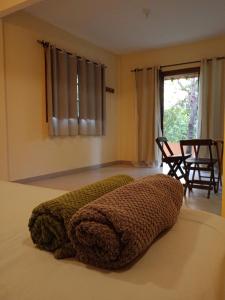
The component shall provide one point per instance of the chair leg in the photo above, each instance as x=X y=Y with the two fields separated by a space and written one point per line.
x=187 y=184
x=185 y=189
x=215 y=185
x=177 y=168
x=208 y=195
x=188 y=176
x=172 y=171
x=210 y=184
x=193 y=174
x=212 y=181
x=199 y=173
x=219 y=179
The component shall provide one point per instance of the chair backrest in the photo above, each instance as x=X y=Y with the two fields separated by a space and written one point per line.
x=161 y=141
x=196 y=144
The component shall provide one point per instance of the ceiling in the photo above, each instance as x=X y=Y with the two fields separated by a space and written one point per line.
x=121 y=26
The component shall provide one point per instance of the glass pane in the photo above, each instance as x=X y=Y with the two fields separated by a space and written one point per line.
x=180 y=109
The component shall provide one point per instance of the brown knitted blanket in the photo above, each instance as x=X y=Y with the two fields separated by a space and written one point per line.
x=114 y=230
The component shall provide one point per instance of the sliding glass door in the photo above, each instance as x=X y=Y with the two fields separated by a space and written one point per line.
x=180 y=103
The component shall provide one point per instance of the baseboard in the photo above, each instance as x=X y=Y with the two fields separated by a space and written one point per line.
x=124 y=162
x=73 y=171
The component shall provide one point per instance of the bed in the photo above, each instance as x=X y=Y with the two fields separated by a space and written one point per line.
x=186 y=263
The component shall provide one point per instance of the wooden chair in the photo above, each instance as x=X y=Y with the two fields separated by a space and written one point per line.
x=219 y=144
x=199 y=164
x=173 y=161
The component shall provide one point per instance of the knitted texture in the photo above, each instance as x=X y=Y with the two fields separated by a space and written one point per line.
x=49 y=220
x=117 y=228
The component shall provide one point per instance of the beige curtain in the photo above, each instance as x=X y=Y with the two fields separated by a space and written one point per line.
x=61 y=88
x=91 y=82
x=212 y=99
x=148 y=116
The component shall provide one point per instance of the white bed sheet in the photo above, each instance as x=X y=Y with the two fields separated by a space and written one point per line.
x=187 y=263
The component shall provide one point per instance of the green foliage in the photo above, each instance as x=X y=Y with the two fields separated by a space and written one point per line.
x=180 y=119
x=176 y=120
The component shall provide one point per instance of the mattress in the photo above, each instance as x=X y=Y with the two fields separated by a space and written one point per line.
x=188 y=262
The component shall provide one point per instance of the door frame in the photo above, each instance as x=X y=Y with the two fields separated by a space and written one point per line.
x=162 y=75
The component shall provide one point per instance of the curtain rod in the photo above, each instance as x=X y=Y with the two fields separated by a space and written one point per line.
x=178 y=64
x=46 y=44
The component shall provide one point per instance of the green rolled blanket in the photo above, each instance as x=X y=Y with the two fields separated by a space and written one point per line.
x=49 y=220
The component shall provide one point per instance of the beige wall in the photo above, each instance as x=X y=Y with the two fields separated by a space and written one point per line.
x=31 y=151
x=164 y=56
x=3 y=125
x=9 y=6
x=223 y=198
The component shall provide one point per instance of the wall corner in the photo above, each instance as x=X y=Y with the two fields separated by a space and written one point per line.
x=4 y=172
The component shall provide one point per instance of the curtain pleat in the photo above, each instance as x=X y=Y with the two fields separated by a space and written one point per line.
x=49 y=89
x=101 y=110
x=212 y=98
x=82 y=83
x=161 y=98
x=148 y=116
x=61 y=80
x=75 y=91
x=91 y=98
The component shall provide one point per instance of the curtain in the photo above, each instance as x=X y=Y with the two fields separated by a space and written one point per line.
x=91 y=83
x=212 y=99
x=148 y=116
x=161 y=98
x=61 y=89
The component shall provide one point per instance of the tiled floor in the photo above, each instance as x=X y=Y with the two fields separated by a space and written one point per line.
x=196 y=200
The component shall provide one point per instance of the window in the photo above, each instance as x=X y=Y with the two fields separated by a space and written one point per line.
x=180 y=105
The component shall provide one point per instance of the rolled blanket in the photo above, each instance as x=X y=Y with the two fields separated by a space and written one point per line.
x=114 y=230
x=49 y=220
